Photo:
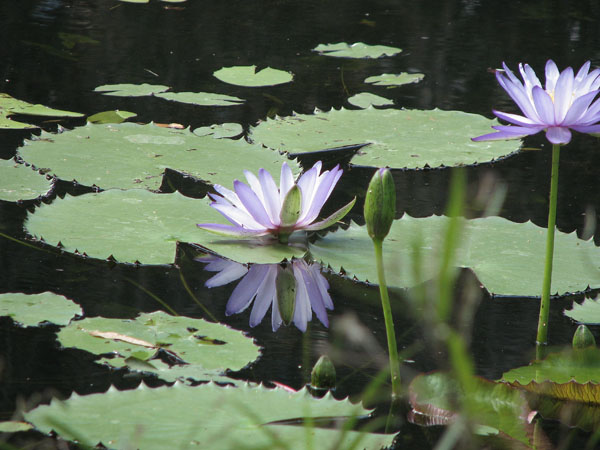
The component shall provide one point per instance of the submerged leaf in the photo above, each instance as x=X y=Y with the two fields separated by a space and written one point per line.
x=497 y=250
x=206 y=416
x=398 y=138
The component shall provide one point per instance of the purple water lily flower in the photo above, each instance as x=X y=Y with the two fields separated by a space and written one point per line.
x=564 y=104
x=260 y=208
x=260 y=284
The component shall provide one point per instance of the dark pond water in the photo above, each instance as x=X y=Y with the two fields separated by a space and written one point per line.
x=180 y=45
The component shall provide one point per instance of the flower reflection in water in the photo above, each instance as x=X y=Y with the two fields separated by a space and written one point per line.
x=292 y=289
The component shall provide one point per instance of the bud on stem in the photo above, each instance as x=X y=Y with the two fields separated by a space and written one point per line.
x=380 y=204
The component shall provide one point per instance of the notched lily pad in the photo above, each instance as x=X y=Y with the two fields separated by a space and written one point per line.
x=33 y=309
x=20 y=182
x=392 y=80
x=356 y=50
x=206 y=416
x=248 y=76
x=138 y=225
x=365 y=99
x=587 y=312
x=135 y=342
x=497 y=250
x=399 y=138
x=130 y=156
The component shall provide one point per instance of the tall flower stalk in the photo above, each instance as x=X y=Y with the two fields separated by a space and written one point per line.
x=566 y=102
x=380 y=209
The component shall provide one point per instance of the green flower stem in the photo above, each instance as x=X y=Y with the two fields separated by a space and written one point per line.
x=389 y=322
x=542 y=332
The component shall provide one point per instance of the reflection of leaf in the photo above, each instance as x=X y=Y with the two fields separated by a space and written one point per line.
x=131 y=156
x=586 y=312
x=357 y=50
x=398 y=138
x=32 y=309
x=366 y=99
x=497 y=250
x=493 y=405
x=247 y=76
x=126 y=338
x=206 y=416
x=138 y=225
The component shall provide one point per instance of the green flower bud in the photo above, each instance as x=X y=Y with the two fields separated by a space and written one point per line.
x=285 y=285
x=380 y=204
x=323 y=374
x=583 y=338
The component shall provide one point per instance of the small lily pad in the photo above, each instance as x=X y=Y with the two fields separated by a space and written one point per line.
x=138 y=225
x=390 y=79
x=131 y=90
x=204 y=350
x=201 y=98
x=114 y=116
x=587 y=312
x=366 y=99
x=357 y=50
x=248 y=76
x=21 y=182
x=33 y=309
x=399 y=138
x=222 y=130
x=206 y=416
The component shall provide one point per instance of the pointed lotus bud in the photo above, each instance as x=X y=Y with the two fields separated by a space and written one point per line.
x=323 y=374
x=285 y=286
x=380 y=204
x=583 y=338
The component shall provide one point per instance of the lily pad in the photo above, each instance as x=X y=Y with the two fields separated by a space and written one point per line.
x=357 y=50
x=366 y=99
x=33 y=309
x=20 y=182
x=391 y=79
x=497 y=250
x=203 y=349
x=12 y=426
x=138 y=225
x=10 y=105
x=493 y=405
x=129 y=155
x=201 y=98
x=205 y=416
x=587 y=312
x=131 y=90
x=398 y=138
x=115 y=116
x=220 y=131
x=248 y=76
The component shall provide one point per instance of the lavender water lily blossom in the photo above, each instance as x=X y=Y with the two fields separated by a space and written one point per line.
x=566 y=103
x=261 y=208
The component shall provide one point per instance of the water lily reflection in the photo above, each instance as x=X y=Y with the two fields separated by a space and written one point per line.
x=293 y=290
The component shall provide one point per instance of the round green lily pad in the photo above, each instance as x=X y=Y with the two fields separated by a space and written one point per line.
x=129 y=156
x=499 y=251
x=399 y=138
x=33 y=309
x=356 y=50
x=138 y=225
x=247 y=76
x=366 y=99
x=205 y=416
x=21 y=182
x=208 y=349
